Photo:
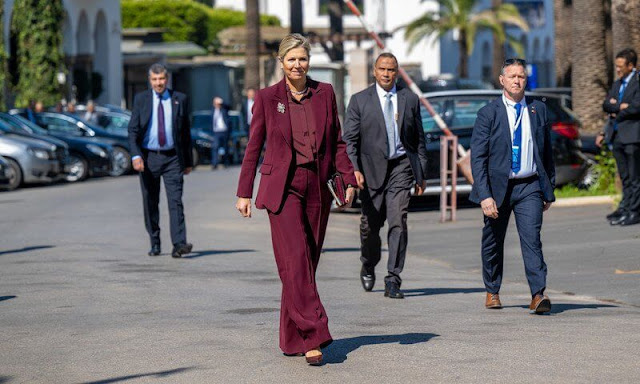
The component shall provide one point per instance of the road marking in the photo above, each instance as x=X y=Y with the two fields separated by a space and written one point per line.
x=621 y=272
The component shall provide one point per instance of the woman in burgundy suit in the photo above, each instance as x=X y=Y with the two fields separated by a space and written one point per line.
x=298 y=120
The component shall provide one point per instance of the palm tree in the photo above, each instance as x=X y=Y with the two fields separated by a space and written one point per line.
x=589 y=76
x=459 y=15
x=252 y=65
x=563 y=16
x=625 y=31
x=498 y=52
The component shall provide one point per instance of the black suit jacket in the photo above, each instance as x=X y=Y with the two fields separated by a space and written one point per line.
x=366 y=135
x=181 y=127
x=491 y=151
x=627 y=120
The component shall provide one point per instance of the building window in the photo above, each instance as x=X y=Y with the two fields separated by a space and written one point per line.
x=323 y=6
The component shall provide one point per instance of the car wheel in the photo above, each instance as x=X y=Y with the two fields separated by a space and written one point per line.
x=590 y=175
x=196 y=158
x=15 y=175
x=120 y=162
x=78 y=169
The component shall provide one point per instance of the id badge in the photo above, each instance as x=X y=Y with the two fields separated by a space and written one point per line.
x=515 y=156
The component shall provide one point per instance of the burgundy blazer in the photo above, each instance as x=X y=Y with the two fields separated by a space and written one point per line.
x=271 y=124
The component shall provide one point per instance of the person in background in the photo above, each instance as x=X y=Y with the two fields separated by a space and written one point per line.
x=298 y=120
x=221 y=128
x=71 y=107
x=91 y=115
x=247 y=106
x=623 y=135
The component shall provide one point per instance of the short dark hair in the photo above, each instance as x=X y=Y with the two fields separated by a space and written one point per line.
x=513 y=61
x=157 y=68
x=629 y=55
x=387 y=55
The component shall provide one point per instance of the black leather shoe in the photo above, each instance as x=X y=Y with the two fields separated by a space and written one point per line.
x=180 y=250
x=367 y=278
x=619 y=220
x=630 y=219
x=392 y=290
x=155 y=250
x=615 y=214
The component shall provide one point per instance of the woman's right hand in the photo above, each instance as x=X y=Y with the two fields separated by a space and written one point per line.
x=244 y=206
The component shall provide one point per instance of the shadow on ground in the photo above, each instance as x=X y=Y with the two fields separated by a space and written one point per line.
x=26 y=249
x=212 y=252
x=562 y=307
x=435 y=291
x=339 y=350
x=159 y=374
x=3 y=298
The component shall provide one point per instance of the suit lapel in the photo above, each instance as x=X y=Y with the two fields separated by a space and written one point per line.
x=402 y=102
x=504 y=122
x=175 y=104
x=374 y=101
x=280 y=105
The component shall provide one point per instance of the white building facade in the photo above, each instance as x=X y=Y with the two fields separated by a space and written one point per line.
x=538 y=44
x=382 y=15
x=91 y=44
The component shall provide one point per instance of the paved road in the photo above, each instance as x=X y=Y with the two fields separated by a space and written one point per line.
x=81 y=302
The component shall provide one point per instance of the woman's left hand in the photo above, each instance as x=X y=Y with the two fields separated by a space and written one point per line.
x=350 y=196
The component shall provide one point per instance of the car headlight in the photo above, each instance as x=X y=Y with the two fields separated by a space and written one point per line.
x=40 y=153
x=96 y=150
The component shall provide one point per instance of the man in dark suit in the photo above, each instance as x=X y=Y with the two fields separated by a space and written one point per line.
x=623 y=134
x=221 y=128
x=160 y=139
x=513 y=171
x=385 y=143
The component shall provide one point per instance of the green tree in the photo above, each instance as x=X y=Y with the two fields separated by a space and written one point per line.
x=459 y=15
x=184 y=20
x=3 y=58
x=37 y=29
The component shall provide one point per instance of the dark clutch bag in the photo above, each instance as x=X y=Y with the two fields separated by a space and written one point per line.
x=338 y=189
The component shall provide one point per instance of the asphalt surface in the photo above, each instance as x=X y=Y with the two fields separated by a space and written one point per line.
x=80 y=301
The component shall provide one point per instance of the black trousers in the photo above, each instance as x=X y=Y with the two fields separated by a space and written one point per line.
x=628 y=161
x=390 y=203
x=167 y=167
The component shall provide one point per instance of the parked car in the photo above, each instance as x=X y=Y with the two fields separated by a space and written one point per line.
x=88 y=156
x=5 y=173
x=201 y=137
x=72 y=125
x=459 y=109
x=31 y=160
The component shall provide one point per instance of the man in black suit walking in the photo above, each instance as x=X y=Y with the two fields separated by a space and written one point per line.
x=513 y=171
x=160 y=139
x=623 y=134
x=385 y=143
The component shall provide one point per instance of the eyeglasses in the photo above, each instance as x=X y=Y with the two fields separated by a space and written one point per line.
x=515 y=61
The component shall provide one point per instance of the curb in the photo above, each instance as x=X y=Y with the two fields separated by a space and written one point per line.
x=585 y=200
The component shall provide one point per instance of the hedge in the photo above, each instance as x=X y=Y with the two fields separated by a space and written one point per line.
x=185 y=20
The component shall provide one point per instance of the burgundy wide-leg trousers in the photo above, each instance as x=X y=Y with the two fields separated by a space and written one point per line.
x=297 y=232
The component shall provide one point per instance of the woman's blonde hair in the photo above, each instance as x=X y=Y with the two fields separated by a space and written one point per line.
x=293 y=41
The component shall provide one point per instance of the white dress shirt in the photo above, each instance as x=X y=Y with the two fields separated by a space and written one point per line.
x=150 y=140
x=399 y=148
x=218 y=121
x=527 y=165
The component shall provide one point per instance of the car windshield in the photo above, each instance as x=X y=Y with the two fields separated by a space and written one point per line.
x=31 y=126
x=201 y=121
x=457 y=112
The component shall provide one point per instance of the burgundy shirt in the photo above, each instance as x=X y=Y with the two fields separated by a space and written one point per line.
x=303 y=127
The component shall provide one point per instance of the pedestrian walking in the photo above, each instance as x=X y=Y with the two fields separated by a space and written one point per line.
x=298 y=120
x=221 y=128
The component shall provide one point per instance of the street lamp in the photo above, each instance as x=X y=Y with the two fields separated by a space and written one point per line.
x=62 y=79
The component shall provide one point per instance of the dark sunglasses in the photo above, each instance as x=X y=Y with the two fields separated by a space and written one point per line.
x=515 y=61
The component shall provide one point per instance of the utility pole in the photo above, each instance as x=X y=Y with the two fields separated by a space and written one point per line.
x=296 y=16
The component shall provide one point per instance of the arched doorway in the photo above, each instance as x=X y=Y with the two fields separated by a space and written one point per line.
x=101 y=67
x=83 y=63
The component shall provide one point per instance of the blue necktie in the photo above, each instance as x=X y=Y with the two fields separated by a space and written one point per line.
x=623 y=85
x=516 y=149
x=388 y=121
